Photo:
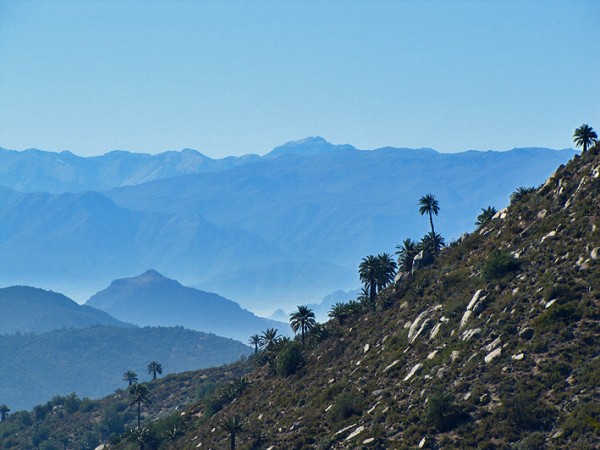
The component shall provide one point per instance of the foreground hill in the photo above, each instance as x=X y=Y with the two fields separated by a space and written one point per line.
x=32 y=310
x=270 y=232
x=494 y=346
x=91 y=361
x=151 y=299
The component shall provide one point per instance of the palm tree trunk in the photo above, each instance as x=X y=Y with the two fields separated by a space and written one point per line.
x=232 y=441
x=431 y=223
x=139 y=412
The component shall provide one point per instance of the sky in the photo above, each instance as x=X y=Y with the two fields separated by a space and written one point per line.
x=238 y=77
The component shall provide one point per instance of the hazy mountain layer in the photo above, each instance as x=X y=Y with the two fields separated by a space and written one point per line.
x=91 y=361
x=151 y=299
x=31 y=310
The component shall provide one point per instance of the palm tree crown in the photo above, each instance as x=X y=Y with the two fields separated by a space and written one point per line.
x=233 y=425
x=486 y=215
x=386 y=270
x=429 y=205
x=131 y=377
x=584 y=136
x=254 y=341
x=303 y=320
x=154 y=368
x=406 y=254
x=367 y=271
x=4 y=410
x=269 y=338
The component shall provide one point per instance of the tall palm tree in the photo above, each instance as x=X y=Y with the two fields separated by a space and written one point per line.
x=233 y=426
x=269 y=338
x=303 y=320
x=4 y=410
x=386 y=270
x=429 y=205
x=255 y=341
x=339 y=312
x=585 y=136
x=131 y=377
x=406 y=254
x=485 y=216
x=367 y=271
x=154 y=368
x=140 y=394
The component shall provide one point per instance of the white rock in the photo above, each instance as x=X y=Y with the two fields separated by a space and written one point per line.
x=328 y=408
x=368 y=440
x=415 y=325
x=423 y=442
x=345 y=429
x=468 y=334
x=424 y=326
x=467 y=396
x=455 y=354
x=594 y=254
x=413 y=371
x=492 y=355
x=435 y=330
x=548 y=236
x=465 y=318
x=550 y=303
x=432 y=354
x=474 y=300
x=356 y=432
x=391 y=365
x=518 y=357
x=366 y=348
x=493 y=345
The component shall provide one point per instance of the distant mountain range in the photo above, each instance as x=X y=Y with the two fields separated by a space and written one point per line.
x=151 y=299
x=270 y=232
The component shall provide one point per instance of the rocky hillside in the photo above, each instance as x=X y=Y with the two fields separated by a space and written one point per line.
x=494 y=346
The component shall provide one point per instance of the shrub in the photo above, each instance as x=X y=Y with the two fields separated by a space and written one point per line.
x=442 y=413
x=346 y=405
x=498 y=264
x=289 y=359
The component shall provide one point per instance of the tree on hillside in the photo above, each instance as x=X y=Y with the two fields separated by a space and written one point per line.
x=432 y=242
x=4 y=410
x=140 y=394
x=585 y=137
x=367 y=271
x=130 y=377
x=406 y=254
x=386 y=270
x=255 y=341
x=154 y=368
x=303 y=320
x=233 y=426
x=520 y=194
x=486 y=215
x=338 y=312
x=269 y=338
x=428 y=204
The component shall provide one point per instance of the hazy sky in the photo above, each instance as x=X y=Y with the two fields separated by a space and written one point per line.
x=235 y=77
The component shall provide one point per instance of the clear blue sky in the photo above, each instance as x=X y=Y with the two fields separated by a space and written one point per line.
x=236 y=77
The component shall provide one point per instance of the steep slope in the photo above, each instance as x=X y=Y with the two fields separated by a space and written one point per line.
x=91 y=361
x=151 y=299
x=31 y=310
x=494 y=346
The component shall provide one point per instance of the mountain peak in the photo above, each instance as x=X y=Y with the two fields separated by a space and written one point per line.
x=312 y=145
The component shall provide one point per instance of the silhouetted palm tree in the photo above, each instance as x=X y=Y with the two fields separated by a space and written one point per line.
x=339 y=312
x=406 y=254
x=367 y=271
x=154 y=368
x=255 y=341
x=432 y=242
x=303 y=320
x=485 y=216
x=269 y=338
x=584 y=137
x=233 y=426
x=429 y=205
x=4 y=410
x=386 y=270
x=140 y=394
x=131 y=377
x=520 y=193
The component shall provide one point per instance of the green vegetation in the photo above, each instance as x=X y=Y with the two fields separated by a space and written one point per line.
x=130 y=377
x=141 y=395
x=498 y=264
x=154 y=368
x=429 y=205
x=303 y=320
x=584 y=136
x=233 y=426
x=486 y=216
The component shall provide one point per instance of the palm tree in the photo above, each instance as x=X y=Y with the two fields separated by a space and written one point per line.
x=140 y=393
x=154 y=368
x=432 y=242
x=303 y=320
x=233 y=425
x=269 y=338
x=367 y=271
x=486 y=215
x=406 y=254
x=339 y=311
x=131 y=377
x=386 y=270
x=4 y=410
x=255 y=341
x=585 y=136
x=520 y=193
x=429 y=205
x=139 y=435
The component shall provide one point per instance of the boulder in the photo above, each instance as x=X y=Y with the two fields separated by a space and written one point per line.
x=422 y=259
